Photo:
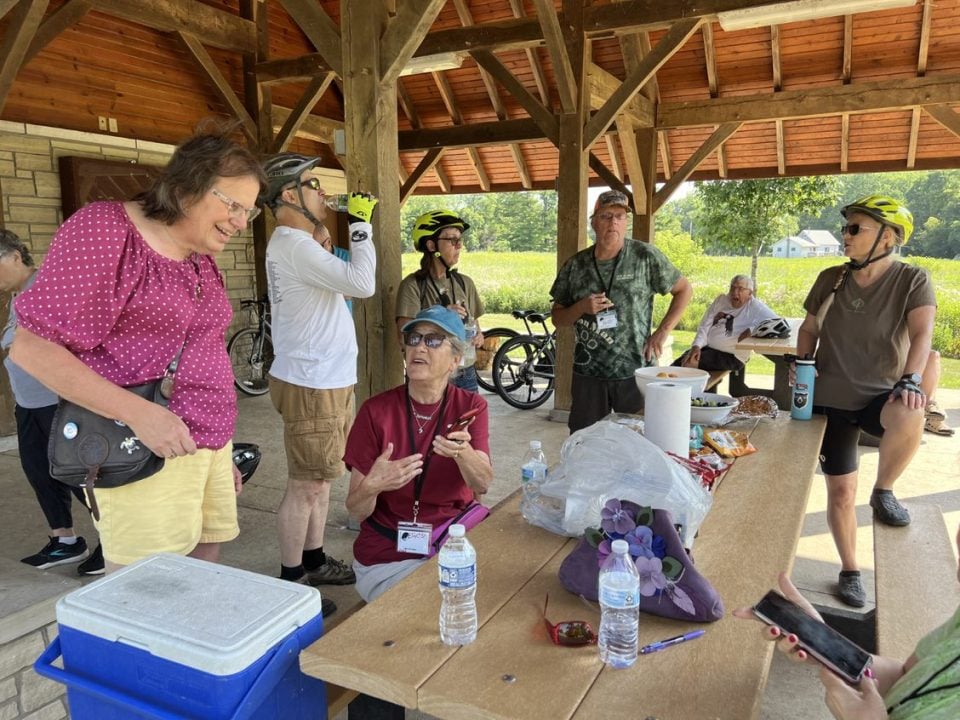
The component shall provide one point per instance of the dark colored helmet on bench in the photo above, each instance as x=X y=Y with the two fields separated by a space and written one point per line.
x=773 y=328
x=246 y=456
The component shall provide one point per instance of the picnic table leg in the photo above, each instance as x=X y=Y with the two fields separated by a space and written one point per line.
x=782 y=392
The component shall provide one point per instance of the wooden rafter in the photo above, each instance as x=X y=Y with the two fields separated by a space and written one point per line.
x=715 y=140
x=775 y=57
x=914 y=137
x=922 y=54
x=813 y=102
x=315 y=128
x=539 y=77
x=663 y=142
x=423 y=167
x=526 y=181
x=950 y=119
x=406 y=104
x=844 y=142
x=541 y=115
x=218 y=28
x=403 y=34
x=781 y=150
x=25 y=19
x=602 y=85
x=721 y=160
x=710 y=58
x=6 y=6
x=557 y=47
x=609 y=178
x=614 y=152
x=288 y=70
x=631 y=157
x=846 y=74
x=450 y=101
x=314 y=91
x=672 y=41
x=476 y=134
x=219 y=83
x=319 y=29
x=67 y=15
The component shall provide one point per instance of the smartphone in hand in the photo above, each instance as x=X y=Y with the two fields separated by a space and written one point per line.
x=822 y=642
x=461 y=422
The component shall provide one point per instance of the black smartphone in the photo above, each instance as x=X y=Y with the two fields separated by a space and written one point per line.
x=461 y=422
x=822 y=642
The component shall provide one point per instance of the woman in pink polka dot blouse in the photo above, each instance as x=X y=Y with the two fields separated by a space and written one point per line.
x=125 y=286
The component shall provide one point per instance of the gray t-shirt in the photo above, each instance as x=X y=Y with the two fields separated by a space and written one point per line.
x=27 y=392
x=864 y=340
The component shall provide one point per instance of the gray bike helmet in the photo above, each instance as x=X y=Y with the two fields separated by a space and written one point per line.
x=773 y=328
x=282 y=170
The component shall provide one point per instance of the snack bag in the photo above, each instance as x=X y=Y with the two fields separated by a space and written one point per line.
x=729 y=443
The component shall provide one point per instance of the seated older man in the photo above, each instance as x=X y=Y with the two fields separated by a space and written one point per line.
x=730 y=318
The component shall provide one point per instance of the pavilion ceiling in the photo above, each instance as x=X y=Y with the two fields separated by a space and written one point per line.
x=868 y=92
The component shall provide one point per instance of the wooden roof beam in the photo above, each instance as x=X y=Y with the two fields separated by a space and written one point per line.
x=631 y=156
x=404 y=33
x=526 y=181
x=539 y=77
x=541 y=115
x=844 y=142
x=775 y=58
x=602 y=85
x=315 y=90
x=66 y=16
x=663 y=142
x=674 y=39
x=310 y=16
x=609 y=178
x=500 y=132
x=914 y=138
x=218 y=28
x=717 y=139
x=710 y=58
x=813 y=102
x=781 y=150
x=557 y=47
x=945 y=116
x=313 y=127
x=25 y=20
x=288 y=70
x=423 y=167
x=924 y=49
x=450 y=101
x=614 y=152
x=406 y=104
x=6 y=6
x=846 y=74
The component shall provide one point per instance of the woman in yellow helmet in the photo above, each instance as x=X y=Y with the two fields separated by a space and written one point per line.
x=438 y=234
x=869 y=324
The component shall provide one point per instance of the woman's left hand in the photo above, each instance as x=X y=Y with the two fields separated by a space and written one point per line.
x=852 y=702
x=453 y=444
x=237 y=480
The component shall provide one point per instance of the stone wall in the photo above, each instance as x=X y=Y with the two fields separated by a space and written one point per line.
x=24 y=695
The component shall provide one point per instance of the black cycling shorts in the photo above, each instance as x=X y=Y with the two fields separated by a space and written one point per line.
x=838 y=452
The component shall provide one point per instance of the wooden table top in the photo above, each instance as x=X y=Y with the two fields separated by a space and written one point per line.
x=774 y=346
x=391 y=648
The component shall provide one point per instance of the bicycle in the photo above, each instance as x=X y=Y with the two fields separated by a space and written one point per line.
x=485 y=377
x=251 y=350
x=524 y=368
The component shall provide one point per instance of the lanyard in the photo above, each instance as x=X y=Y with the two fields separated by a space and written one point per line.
x=613 y=273
x=440 y=293
x=428 y=456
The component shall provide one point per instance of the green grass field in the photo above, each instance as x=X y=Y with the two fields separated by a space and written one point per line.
x=508 y=281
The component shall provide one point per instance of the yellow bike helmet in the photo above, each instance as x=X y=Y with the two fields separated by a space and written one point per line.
x=430 y=223
x=885 y=210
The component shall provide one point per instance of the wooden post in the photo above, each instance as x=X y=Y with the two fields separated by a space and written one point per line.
x=647 y=150
x=571 y=190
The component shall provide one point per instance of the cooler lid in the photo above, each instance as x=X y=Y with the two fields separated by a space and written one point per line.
x=210 y=617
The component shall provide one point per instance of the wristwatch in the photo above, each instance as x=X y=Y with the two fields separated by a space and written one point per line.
x=913 y=378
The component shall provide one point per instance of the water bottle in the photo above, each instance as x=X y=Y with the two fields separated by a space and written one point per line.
x=337 y=203
x=533 y=471
x=469 y=358
x=801 y=408
x=457 y=562
x=619 y=607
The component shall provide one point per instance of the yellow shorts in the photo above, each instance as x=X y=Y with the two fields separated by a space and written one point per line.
x=190 y=501
x=315 y=428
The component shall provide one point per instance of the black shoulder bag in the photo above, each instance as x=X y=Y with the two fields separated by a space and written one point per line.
x=88 y=450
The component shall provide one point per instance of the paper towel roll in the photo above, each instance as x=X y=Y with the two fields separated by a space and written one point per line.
x=667 y=416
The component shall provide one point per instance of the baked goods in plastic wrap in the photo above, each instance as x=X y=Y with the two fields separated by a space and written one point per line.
x=755 y=406
x=729 y=443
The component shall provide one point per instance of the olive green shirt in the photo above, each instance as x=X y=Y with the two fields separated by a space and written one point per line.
x=415 y=295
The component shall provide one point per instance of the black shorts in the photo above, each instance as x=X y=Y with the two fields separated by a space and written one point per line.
x=838 y=452
x=594 y=398
x=713 y=360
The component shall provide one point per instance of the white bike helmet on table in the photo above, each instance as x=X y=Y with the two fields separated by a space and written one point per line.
x=772 y=328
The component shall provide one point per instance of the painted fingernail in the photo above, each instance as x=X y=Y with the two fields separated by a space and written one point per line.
x=869 y=673
x=773 y=632
x=792 y=638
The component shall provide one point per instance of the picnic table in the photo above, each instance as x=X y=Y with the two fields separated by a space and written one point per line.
x=391 y=648
x=775 y=350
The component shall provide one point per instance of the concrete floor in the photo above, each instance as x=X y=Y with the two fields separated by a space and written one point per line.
x=793 y=691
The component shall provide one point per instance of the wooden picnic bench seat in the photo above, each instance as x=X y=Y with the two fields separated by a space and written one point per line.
x=916 y=579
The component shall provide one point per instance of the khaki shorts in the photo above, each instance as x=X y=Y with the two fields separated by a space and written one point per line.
x=190 y=501
x=315 y=428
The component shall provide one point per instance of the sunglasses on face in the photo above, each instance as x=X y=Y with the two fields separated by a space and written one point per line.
x=431 y=340
x=313 y=183
x=455 y=241
x=234 y=208
x=855 y=228
x=571 y=632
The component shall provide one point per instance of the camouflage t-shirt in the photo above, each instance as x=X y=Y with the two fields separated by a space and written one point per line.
x=641 y=271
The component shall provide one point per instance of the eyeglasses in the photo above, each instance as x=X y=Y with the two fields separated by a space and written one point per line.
x=312 y=183
x=610 y=217
x=431 y=340
x=456 y=240
x=854 y=229
x=234 y=208
x=571 y=632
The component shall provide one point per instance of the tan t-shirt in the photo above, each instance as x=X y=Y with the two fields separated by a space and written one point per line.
x=410 y=301
x=864 y=340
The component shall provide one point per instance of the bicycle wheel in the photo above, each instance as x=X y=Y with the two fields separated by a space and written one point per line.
x=523 y=372
x=485 y=373
x=251 y=361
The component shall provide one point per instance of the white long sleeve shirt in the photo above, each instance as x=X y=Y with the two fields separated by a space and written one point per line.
x=722 y=324
x=314 y=339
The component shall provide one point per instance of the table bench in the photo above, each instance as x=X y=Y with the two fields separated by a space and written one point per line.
x=391 y=648
x=916 y=579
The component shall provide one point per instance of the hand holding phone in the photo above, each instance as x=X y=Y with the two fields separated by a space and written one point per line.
x=818 y=639
x=463 y=421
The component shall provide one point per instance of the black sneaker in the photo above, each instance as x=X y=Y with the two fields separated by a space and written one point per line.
x=887 y=509
x=327 y=607
x=332 y=572
x=93 y=565
x=57 y=553
x=851 y=589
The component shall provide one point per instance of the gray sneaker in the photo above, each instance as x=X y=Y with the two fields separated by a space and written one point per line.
x=888 y=510
x=851 y=589
x=332 y=572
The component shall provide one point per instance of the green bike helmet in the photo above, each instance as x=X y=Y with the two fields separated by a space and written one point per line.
x=885 y=210
x=430 y=223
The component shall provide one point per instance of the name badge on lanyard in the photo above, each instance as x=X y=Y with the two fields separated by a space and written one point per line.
x=414 y=537
x=607 y=319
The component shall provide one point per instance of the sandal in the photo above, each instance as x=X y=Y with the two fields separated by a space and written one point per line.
x=937 y=426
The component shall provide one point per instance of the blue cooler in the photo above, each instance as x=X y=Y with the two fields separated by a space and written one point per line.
x=172 y=637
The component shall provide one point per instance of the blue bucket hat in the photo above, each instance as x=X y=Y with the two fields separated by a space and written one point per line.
x=444 y=318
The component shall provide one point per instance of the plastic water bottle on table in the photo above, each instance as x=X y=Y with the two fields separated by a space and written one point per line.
x=619 y=607
x=533 y=471
x=457 y=563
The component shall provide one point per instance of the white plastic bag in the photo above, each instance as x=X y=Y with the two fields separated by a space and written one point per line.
x=610 y=460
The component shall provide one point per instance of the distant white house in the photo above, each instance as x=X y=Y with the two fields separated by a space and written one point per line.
x=809 y=243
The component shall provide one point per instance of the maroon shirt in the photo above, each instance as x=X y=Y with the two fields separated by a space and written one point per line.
x=383 y=419
x=125 y=310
